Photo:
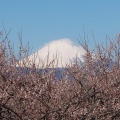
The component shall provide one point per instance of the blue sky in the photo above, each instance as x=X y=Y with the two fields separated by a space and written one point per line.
x=42 y=21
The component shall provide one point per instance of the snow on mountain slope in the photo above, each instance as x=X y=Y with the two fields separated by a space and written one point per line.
x=58 y=53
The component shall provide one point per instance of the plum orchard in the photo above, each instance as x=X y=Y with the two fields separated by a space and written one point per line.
x=93 y=94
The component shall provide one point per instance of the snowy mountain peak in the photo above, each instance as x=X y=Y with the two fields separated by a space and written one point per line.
x=58 y=53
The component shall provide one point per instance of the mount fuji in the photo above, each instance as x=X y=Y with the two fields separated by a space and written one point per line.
x=59 y=53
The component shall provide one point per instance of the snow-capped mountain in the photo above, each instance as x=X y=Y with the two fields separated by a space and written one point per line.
x=58 y=53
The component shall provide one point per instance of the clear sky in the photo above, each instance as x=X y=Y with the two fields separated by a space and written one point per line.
x=42 y=21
